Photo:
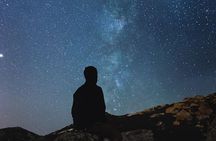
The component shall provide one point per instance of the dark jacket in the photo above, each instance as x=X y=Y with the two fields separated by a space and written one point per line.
x=88 y=106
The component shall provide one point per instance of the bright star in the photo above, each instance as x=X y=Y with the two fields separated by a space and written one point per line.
x=1 y=55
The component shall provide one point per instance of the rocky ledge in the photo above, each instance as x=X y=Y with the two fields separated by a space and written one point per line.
x=193 y=119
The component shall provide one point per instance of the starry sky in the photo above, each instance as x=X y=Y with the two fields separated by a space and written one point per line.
x=147 y=52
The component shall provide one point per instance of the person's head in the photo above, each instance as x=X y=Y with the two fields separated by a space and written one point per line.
x=90 y=74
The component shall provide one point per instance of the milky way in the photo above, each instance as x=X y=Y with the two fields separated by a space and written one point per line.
x=147 y=53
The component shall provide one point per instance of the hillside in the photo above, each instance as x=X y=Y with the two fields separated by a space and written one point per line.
x=189 y=120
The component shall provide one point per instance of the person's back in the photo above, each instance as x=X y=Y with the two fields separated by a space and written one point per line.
x=88 y=107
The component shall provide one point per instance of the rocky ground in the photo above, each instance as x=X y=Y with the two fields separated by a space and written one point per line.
x=193 y=119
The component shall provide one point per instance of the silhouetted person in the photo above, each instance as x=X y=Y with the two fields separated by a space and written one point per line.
x=88 y=110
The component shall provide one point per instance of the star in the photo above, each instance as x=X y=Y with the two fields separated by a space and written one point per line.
x=1 y=55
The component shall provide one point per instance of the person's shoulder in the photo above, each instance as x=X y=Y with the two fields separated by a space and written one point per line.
x=81 y=87
x=98 y=87
x=79 y=90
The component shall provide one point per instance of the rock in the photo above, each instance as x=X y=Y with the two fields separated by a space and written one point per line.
x=183 y=115
x=211 y=135
x=134 y=135
x=176 y=123
x=174 y=109
x=138 y=135
x=204 y=111
x=75 y=135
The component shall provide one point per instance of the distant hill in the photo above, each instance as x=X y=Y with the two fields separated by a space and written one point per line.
x=193 y=119
x=17 y=134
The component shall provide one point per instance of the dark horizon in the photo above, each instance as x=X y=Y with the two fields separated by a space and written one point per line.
x=147 y=53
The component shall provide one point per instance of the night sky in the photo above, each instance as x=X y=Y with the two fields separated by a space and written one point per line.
x=147 y=52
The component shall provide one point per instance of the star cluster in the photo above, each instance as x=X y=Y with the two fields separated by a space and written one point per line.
x=147 y=53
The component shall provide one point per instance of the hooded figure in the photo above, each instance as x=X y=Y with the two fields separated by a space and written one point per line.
x=88 y=101
x=88 y=110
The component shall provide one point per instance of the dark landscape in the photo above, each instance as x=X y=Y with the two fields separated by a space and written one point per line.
x=146 y=53
x=193 y=119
